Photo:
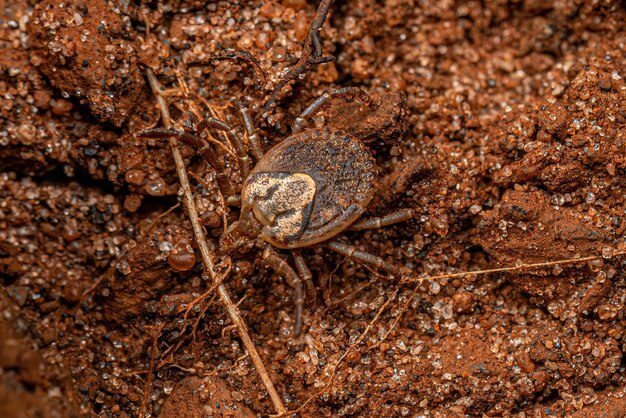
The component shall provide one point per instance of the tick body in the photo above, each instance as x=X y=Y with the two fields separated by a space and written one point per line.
x=308 y=188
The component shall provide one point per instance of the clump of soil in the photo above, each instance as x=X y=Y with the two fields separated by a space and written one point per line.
x=500 y=125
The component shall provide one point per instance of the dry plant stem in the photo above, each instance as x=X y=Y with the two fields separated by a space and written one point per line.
x=181 y=339
x=512 y=268
x=161 y=216
x=91 y=288
x=405 y=306
x=150 y=375
x=232 y=310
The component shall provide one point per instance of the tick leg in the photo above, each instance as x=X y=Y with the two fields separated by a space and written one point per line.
x=390 y=219
x=233 y=136
x=366 y=258
x=348 y=93
x=209 y=155
x=235 y=54
x=255 y=145
x=162 y=133
x=284 y=270
x=305 y=274
x=205 y=150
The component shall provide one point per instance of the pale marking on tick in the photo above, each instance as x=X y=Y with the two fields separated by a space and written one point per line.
x=281 y=202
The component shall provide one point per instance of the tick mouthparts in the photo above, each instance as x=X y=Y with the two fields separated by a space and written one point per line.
x=238 y=234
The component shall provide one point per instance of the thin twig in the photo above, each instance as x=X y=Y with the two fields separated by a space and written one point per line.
x=519 y=267
x=399 y=317
x=161 y=216
x=311 y=56
x=181 y=339
x=232 y=310
x=92 y=287
x=148 y=385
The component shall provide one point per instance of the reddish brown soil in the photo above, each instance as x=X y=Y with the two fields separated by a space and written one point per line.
x=516 y=115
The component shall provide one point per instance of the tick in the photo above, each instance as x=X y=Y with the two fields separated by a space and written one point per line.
x=304 y=191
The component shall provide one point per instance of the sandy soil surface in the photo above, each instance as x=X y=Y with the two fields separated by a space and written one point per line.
x=505 y=134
